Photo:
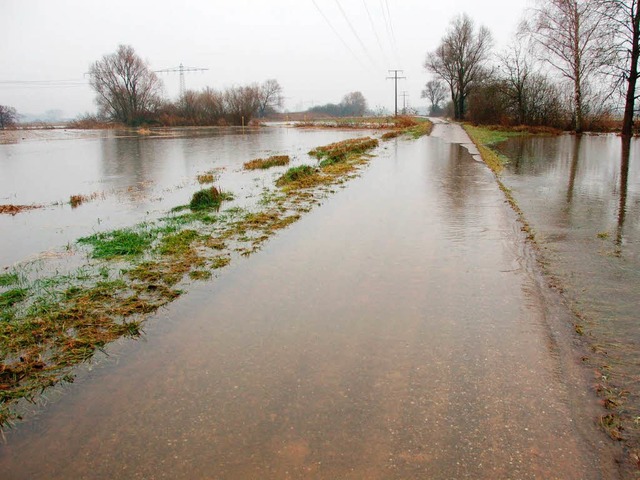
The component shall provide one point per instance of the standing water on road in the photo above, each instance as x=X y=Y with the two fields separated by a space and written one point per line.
x=581 y=195
x=397 y=331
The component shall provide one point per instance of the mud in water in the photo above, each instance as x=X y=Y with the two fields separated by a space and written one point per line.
x=395 y=332
x=582 y=198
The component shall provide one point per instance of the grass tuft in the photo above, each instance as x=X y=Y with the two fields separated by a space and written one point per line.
x=208 y=198
x=273 y=161
x=296 y=174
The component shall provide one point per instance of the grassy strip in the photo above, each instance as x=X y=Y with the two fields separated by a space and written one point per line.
x=263 y=164
x=51 y=324
x=339 y=151
x=417 y=129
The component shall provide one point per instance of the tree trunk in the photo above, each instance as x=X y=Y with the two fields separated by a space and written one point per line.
x=578 y=100
x=627 y=121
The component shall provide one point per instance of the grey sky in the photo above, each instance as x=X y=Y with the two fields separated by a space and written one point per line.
x=240 y=41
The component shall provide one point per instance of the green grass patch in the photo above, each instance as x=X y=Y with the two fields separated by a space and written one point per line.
x=13 y=296
x=490 y=136
x=264 y=163
x=8 y=279
x=178 y=243
x=124 y=242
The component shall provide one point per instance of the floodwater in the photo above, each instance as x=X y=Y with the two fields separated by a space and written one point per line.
x=582 y=197
x=397 y=331
x=132 y=177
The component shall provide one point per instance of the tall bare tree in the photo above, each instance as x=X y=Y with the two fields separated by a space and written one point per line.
x=574 y=37
x=624 y=18
x=126 y=89
x=460 y=60
x=270 y=97
x=8 y=117
x=435 y=92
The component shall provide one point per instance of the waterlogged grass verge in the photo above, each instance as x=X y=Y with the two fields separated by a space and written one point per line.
x=50 y=324
x=617 y=422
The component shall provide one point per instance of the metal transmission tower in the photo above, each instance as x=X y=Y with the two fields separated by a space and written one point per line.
x=396 y=78
x=181 y=69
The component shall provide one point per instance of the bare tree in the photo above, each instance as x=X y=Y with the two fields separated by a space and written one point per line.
x=624 y=18
x=126 y=89
x=575 y=41
x=460 y=60
x=516 y=69
x=8 y=117
x=270 y=97
x=241 y=104
x=435 y=92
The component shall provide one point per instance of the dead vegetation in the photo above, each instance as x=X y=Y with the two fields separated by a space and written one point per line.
x=15 y=209
x=77 y=200
x=264 y=163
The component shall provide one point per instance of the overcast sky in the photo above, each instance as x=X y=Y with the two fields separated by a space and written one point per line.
x=48 y=45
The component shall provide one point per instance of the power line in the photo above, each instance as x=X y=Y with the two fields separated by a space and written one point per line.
x=355 y=33
x=386 y=13
x=375 y=31
x=181 y=69
x=346 y=45
x=396 y=78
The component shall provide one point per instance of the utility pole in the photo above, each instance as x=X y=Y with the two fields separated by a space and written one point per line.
x=181 y=69
x=396 y=78
x=404 y=96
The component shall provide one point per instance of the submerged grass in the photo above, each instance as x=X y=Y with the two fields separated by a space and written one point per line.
x=119 y=243
x=48 y=325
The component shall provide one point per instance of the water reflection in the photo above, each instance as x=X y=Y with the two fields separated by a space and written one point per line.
x=136 y=177
x=575 y=158
x=582 y=197
x=624 y=184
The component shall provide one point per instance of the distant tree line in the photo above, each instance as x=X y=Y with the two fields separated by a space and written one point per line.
x=129 y=92
x=352 y=105
x=8 y=117
x=572 y=65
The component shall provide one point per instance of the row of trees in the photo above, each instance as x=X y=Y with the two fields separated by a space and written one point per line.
x=128 y=91
x=352 y=105
x=569 y=59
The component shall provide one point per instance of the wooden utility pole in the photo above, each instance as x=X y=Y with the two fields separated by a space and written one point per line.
x=396 y=78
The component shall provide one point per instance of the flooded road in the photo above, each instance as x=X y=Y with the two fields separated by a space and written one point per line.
x=397 y=331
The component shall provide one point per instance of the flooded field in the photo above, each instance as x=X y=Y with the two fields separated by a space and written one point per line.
x=128 y=177
x=399 y=330
x=582 y=198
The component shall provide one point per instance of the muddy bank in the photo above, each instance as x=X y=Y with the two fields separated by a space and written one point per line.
x=395 y=332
